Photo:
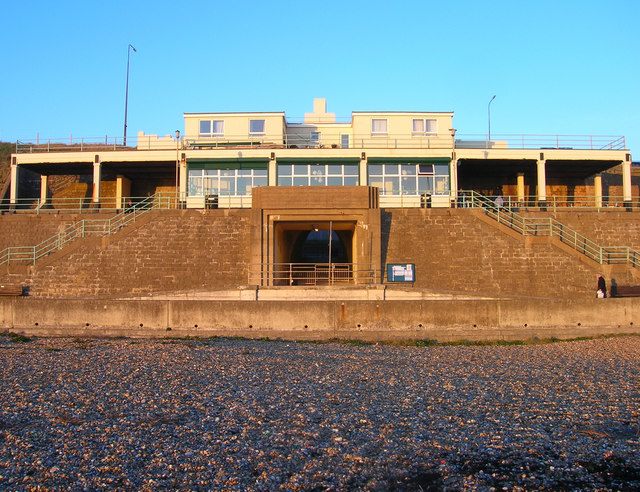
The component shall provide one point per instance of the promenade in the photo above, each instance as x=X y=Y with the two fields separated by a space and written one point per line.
x=224 y=414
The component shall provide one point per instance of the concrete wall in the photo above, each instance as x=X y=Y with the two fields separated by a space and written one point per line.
x=324 y=320
x=174 y=250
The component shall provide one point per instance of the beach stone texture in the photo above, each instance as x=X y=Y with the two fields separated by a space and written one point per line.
x=223 y=414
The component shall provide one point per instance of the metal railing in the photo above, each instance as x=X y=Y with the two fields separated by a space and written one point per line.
x=84 y=228
x=561 y=202
x=543 y=226
x=325 y=140
x=514 y=141
x=84 y=205
x=312 y=274
x=82 y=144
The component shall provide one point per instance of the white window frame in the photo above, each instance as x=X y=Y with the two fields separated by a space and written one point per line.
x=258 y=133
x=379 y=133
x=212 y=125
x=219 y=133
x=426 y=123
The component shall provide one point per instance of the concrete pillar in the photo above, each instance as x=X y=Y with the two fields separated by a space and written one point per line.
x=123 y=190
x=272 y=171
x=363 y=172
x=44 y=180
x=626 y=181
x=13 y=192
x=597 y=189
x=520 y=187
x=97 y=175
x=453 y=179
x=542 y=182
x=183 y=180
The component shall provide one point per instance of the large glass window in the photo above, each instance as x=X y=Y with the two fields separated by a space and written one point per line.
x=256 y=127
x=225 y=182
x=317 y=175
x=410 y=178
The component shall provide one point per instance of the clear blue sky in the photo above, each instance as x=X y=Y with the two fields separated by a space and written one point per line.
x=556 y=67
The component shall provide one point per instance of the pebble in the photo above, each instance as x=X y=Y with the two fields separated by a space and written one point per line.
x=223 y=414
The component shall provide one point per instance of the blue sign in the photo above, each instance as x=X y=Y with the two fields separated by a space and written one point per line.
x=401 y=272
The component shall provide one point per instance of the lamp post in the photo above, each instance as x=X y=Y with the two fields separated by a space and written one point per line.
x=126 y=96
x=489 y=117
x=177 y=165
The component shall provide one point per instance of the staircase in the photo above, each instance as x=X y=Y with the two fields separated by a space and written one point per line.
x=172 y=251
x=549 y=227
x=81 y=229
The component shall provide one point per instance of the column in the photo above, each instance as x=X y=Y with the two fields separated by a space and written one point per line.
x=13 y=193
x=123 y=191
x=272 y=170
x=43 y=189
x=520 y=187
x=597 y=189
x=542 y=182
x=183 y=179
x=362 y=170
x=453 y=179
x=95 y=197
x=626 y=181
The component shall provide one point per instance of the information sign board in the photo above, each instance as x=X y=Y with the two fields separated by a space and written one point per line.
x=401 y=272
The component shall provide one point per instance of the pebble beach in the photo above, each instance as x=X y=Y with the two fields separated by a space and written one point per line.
x=224 y=414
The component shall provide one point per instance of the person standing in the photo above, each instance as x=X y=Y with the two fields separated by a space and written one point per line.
x=601 y=293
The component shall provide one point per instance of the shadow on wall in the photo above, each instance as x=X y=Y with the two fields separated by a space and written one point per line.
x=385 y=230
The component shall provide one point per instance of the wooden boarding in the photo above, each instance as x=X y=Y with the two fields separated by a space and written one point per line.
x=8 y=290
x=627 y=291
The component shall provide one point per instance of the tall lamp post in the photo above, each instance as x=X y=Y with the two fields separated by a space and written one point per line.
x=489 y=117
x=126 y=96
x=177 y=165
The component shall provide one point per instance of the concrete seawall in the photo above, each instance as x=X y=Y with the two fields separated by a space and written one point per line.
x=370 y=320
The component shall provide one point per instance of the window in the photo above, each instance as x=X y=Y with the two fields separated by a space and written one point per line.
x=225 y=182
x=256 y=127
x=378 y=127
x=218 y=128
x=211 y=128
x=410 y=178
x=205 y=127
x=317 y=175
x=344 y=141
x=315 y=139
x=424 y=127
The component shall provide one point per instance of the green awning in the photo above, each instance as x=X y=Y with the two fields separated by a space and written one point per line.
x=318 y=160
x=235 y=163
x=409 y=160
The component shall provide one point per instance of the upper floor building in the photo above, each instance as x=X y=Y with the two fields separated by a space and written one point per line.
x=406 y=130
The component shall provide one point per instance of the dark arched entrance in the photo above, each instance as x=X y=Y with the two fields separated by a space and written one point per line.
x=313 y=253
x=315 y=246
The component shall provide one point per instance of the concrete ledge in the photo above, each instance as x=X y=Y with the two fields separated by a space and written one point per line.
x=441 y=320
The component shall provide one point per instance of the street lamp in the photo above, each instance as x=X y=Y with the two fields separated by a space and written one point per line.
x=177 y=163
x=489 y=116
x=126 y=96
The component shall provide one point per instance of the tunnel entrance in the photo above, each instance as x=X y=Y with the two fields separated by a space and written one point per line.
x=314 y=253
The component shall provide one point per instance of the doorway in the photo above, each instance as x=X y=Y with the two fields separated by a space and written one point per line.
x=313 y=253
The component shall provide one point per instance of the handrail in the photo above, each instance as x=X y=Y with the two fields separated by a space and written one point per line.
x=532 y=141
x=85 y=227
x=542 y=226
x=326 y=139
x=312 y=274
x=563 y=202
